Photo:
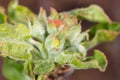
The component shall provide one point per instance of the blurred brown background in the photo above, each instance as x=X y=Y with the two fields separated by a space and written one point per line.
x=111 y=50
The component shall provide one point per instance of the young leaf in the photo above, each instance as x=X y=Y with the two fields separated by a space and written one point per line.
x=13 y=70
x=100 y=37
x=101 y=59
x=42 y=17
x=63 y=32
x=80 y=37
x=14 y=32
x=36 y=55
x=51 y=28
x=73 y=33
x=98 y=61
x=102 y=33
x=18 y=13
x=44 y=66
x=37 y=30
x=53 y=14
x=15 y=50
x=53 y=44
x=68 y=19
x=65 y=57
x=81 y=49
x=40 y=47
x=12 y=41
x=115 y=27
x=93 y=13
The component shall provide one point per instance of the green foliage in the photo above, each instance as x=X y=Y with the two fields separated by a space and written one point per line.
x=34 y=46
x=93 y=13
x=18 y=13
x=102 y=33
x=44 y=66
x=3 y=17
x=13 y=70
x=12 y=41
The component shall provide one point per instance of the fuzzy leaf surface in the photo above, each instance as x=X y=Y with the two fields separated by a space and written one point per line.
x=102 y=33
x=98 y=61
x=93 y=13
x=44 y=66
x=12 y=41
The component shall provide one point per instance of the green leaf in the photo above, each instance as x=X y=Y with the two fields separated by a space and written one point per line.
x=18 y=13
x=12 y=41
x=102 y=33
x=40 y=47
x=36 y=55
x=100 y=37
x=44 y=66
x=42 y=16
x=22 y=31
x=62 y=32
x=65 y=57
x=98 y=61
x=37 y=29
x=3 y=17
x=28 y=69
x=51 y=28
x=93 y=13
x=14 y=32
x=81 y=49
x=77 y=43
x=73 y=33
x=68 y=19
x=115 y=27
x=53 y=44
x=13 y=70
x=80 y=38
x=15 y=50
x=53 y=14
x=101 y=59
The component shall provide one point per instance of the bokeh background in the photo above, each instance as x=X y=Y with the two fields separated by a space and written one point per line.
x=111 y=49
